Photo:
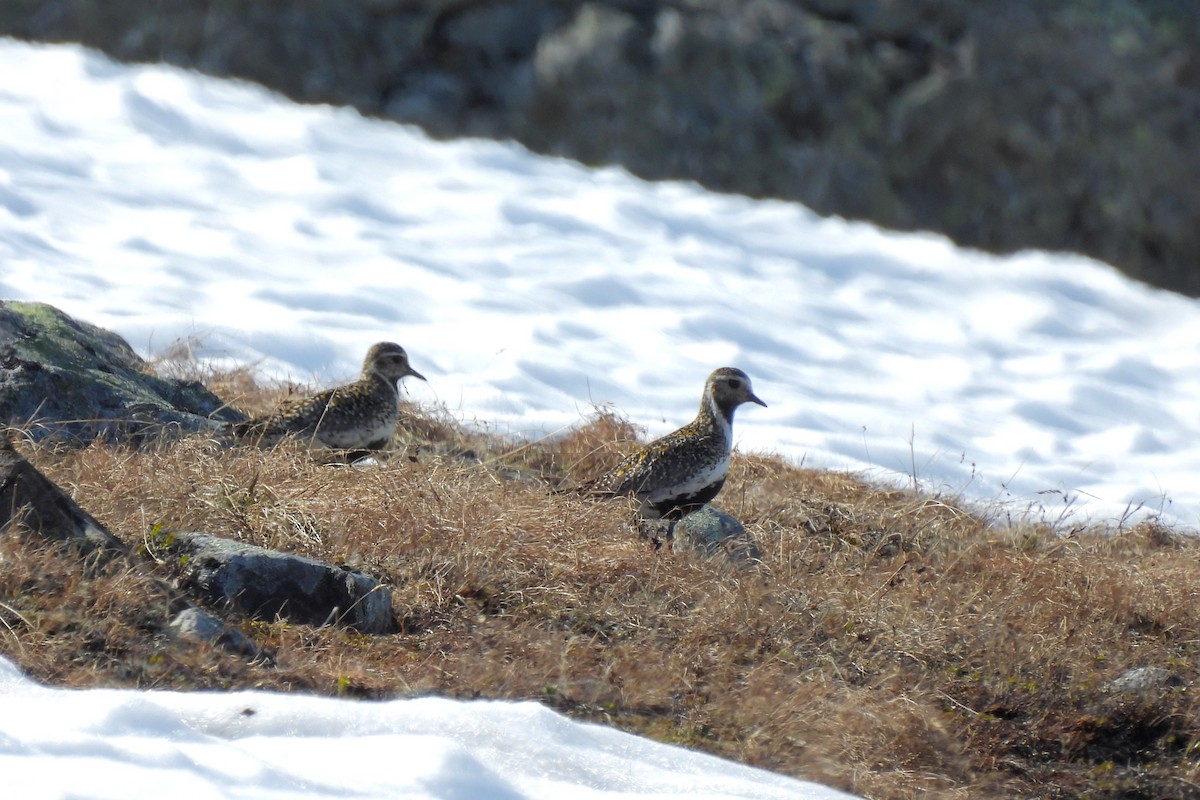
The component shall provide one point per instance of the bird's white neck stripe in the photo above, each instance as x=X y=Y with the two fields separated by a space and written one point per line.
x=719 y=419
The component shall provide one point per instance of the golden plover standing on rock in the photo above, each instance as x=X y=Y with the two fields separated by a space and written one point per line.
x=677 y=474
x=358 y=416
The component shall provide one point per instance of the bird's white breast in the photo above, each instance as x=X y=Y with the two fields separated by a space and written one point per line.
x=383 y=429
x=699 y=479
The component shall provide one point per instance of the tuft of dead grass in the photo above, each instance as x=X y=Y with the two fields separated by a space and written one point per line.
x=892 y=644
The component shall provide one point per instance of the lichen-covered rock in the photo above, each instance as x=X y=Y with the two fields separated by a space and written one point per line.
x=268 y=583
x=69 y=379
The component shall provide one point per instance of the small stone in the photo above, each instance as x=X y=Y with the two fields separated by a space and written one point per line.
x=710 y=531
x=194 y=623
x=1142 y=679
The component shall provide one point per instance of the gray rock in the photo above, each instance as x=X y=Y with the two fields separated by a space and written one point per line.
x=267 y=583
x=194 y=623
x=30 y=499
x=709 y=532
x=71 y=380
x=1142 y=679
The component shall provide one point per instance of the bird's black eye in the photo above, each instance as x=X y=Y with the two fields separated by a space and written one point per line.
x=734 y=383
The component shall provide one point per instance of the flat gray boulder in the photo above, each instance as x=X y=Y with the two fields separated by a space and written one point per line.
x=60 y=377
x=267 y=584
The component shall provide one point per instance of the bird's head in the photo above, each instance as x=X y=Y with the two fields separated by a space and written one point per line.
x=389 y=361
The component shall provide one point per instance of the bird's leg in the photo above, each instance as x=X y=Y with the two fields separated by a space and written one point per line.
x=670 y=537
x=653 y=530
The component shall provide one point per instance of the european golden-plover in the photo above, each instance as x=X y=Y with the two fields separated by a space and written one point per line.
x=680 y=472
x=357 y=416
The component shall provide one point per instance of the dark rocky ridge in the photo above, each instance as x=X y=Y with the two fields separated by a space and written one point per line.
x=1061 y=124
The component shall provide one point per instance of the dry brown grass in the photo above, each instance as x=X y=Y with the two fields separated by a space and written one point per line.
x=892 y=644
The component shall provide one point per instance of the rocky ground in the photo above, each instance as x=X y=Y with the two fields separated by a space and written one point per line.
x=1004 y=123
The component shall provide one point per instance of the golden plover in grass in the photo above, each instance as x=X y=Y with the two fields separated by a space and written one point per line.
x=358 y=416
x=672 y=476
